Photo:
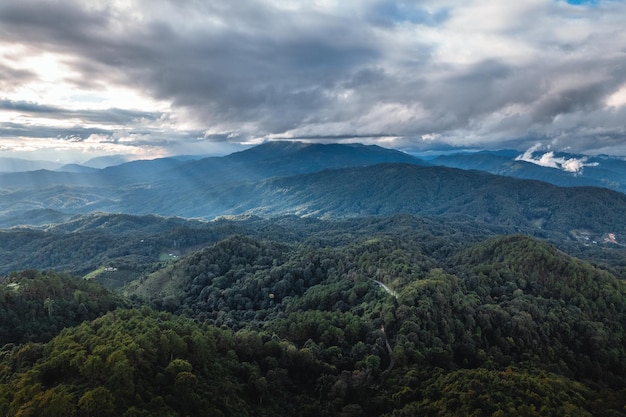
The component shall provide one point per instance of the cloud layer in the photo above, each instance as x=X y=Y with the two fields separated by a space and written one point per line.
x=164 y=76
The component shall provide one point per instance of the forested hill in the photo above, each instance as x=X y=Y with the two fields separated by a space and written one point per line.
x=504 y=326
x=508 y=301
x=36 y=306
x=116 y=248
x=392 y=188
x=517 y=298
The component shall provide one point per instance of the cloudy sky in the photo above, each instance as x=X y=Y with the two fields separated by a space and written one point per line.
x=155 y=77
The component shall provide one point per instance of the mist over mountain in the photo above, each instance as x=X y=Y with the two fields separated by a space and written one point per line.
x=24 y=165
x=107 y=161
x=77 y=168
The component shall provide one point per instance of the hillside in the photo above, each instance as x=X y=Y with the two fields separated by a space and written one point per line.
x=399 y=188
x=113 y=248
x=116 y=248
x=555 y=312
x=36 y=306
x=531 y=330
x=517 y=298
x=122 y=247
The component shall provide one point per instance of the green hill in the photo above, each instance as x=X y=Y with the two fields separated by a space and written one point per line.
x=505 y=326
x=37 y=305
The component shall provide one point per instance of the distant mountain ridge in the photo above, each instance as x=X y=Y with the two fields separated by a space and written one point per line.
x=24 y=165
x=287 y=158
x=107 y=161
x=279 y=159
x=267 y=160
x=312 y=180
x=77 y=168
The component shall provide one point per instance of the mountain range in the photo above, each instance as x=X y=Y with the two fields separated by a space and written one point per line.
x=326 y=181
x=290 y=158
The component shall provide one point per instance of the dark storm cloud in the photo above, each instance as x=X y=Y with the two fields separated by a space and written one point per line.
x=276 y=83
x=471 y=74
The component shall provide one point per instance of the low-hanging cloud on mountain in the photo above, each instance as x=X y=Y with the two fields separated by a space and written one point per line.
x=548 y=159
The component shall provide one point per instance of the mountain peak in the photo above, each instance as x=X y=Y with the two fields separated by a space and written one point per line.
x=323 y=156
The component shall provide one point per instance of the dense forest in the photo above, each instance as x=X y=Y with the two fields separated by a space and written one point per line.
x=130 y=246
x=35 y=306
x=391 y=316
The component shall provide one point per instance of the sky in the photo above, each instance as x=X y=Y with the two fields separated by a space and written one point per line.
x=152 y=78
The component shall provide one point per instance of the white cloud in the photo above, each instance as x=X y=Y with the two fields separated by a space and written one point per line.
x=548 y=159
x=618 y=98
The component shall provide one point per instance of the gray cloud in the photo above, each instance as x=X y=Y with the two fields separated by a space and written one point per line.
x=433 y=74
x=25 y=106
x=10 y=77
x=60 y=133
x=110 y=116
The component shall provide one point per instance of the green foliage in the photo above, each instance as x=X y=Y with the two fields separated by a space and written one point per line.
x=482 y=392
x=129 y=244
x=137 y=362
x=538 y=296
x=128 y=359
x=291 y=319
x=37 y=305
x=506 y=301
